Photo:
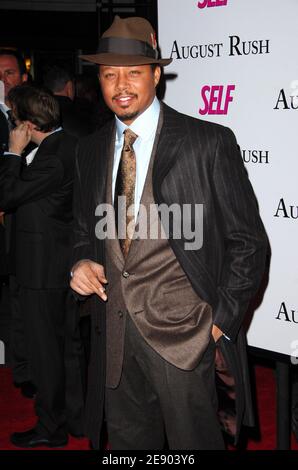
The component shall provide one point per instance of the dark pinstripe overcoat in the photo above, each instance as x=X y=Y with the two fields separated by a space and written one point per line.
x=196 y=162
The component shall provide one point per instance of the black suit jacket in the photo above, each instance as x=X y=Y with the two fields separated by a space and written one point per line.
x=7 y=232
x=41 y=194
x=196 y=162
x=73 y=122
x=3 y=147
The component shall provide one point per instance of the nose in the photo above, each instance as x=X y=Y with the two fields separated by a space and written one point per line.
x=122 y=82
x=3 y=77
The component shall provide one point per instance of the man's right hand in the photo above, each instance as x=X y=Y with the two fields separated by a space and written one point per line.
x=89 y=278
x=19 y=138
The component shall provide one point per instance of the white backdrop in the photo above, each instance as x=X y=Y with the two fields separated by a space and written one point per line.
x=251 y=46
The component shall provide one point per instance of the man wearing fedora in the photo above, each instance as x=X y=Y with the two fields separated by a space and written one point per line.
x=163 y=307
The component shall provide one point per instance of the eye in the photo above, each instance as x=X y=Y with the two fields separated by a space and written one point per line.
x=109 y=75
x=134 y=73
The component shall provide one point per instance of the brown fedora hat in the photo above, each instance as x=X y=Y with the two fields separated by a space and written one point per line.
x=128 y=41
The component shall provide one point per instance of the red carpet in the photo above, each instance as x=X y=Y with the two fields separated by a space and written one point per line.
x=17 y=414
x=266 y=394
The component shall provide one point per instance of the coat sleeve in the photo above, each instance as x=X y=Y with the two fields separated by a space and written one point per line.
x=81 y=240
x=244 y=235
x=37 y=181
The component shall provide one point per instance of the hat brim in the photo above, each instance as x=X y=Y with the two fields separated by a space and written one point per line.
x=120 y=59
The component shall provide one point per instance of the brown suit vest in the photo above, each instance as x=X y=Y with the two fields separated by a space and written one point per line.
x=152 y=288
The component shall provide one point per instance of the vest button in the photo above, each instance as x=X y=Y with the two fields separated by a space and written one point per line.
x=125 y=274
x=120 y=313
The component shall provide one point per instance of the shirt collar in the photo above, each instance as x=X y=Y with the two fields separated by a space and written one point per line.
x=53 y=132
x=31 y=155
x=56 y=130
x=4 y=109
x=145 y=124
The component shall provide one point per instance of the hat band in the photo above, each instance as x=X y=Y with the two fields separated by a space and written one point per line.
x=125 y=46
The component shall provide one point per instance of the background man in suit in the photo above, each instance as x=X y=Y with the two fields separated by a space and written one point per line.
x=61 y=83
x=3 y=254
x=13 y=73
x=41 y=194
x=167 y=306
x=12 y=70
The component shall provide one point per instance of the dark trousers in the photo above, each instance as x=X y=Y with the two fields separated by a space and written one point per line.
x=18 y=348
x=75 y=368
x=155 y=399
x=50 y=328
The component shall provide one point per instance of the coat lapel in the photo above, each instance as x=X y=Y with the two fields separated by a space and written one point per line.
x=170 y=140
x=104 y=152
x=113 y=242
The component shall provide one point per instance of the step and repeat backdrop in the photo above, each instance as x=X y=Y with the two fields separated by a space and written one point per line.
x=235 y=62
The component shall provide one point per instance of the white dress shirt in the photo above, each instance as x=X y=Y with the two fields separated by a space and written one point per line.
x=31 y=155
x=145 y=128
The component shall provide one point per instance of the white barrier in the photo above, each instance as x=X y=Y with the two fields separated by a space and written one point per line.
x=236 y=64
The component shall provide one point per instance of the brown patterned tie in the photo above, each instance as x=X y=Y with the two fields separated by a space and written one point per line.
x=125 y=186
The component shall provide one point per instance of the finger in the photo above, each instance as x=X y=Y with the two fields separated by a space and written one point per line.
x=102 y=295
x=84 y=283
x=81 y=287
x=99 y=271
x=88 y=273
x=89 y=278
x=76 y=287
x=97 y=288
x=89 y=282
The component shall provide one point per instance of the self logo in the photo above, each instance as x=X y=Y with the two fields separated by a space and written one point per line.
x=216 y=98
x=212 y=3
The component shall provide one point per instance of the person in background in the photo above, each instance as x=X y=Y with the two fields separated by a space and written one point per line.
x=90 y=103
x=61 y=83
x=3 y=254
x=13 y=73
x=39 y=189
x=77 y=123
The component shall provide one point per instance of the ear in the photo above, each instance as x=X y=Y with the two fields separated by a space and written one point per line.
x=157 y=74
x=30 y=125
x=24 y=77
